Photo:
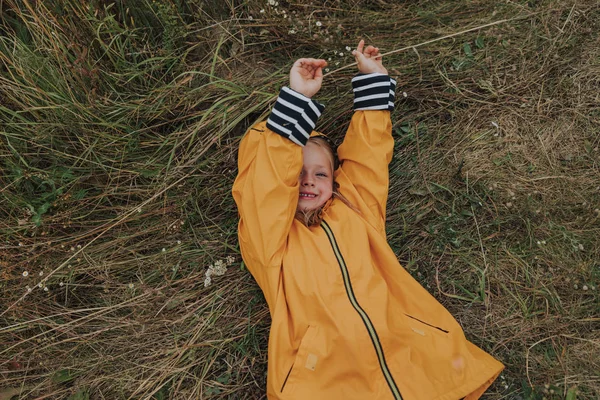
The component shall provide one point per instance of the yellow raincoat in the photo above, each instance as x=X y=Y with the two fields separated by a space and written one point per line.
x=348 y=322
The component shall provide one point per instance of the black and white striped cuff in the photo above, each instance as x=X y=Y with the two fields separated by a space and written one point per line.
x=294 y=116
x=374 y=91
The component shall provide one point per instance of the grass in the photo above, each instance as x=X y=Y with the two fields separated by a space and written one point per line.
x=120 y=123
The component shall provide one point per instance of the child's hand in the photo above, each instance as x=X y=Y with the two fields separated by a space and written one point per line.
x=368 y=61
x=306 y=76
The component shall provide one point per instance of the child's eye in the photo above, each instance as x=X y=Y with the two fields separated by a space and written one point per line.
x=322 y=174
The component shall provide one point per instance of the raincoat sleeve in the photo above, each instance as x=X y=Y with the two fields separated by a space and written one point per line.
x=367 y=148
x=266 y=187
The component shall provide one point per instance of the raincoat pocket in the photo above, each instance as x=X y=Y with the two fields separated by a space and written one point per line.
x=427 y=325
x=305 y=360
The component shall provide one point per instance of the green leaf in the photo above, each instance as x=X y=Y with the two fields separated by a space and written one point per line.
x=62 y=376
x=80 y=395
x=479 y=42
x=571 y=393
x=467 y=49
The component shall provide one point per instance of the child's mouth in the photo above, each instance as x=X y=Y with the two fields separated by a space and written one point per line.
x=307 y=195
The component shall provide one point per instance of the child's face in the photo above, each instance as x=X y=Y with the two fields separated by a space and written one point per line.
x=316 y=178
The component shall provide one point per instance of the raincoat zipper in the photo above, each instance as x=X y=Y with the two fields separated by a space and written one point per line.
x=363 y=315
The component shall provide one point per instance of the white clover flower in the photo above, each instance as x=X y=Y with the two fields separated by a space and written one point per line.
x=262 y=11
x=61 y=284
x=207 y=281
x=271 y=2
x=585 y=287
x=72 y=249
x=348 y=48
x=341 y=54
x=29 y=289
x=404 y=94
x=131 y=286
x=139 y=209
x=41 y=273
x=230 y=260
x=163 y=250
x=78 y=246
x=250 y=17
x=318 y=23
x=40 y=285
x=25 y=274
x=326 y=69
x=46 y=288
x=179 y=242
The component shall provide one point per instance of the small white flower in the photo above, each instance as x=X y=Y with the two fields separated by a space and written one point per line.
x=337 y=63
x=207 y=281
x=271 y=2
x=348 y=48
x=341 y=54
x=580 y=246
x=329 y=59
x=326 y=69
x=250 y=17
x=29 y=289
x=585 y=287
x=139 y=209
x=25 y=274
x=404 y=94
x=78 y=246
x=318 y=23
x=230 y=260
x=575 y=286
x=538 y=242
x=262 y=11
x=41 y=273
x=61 y=284
x=543 y=242
x=291 y=31
x=20 y=244
x=46 y=288
x=179 y=242
x=72 y=248
x=131 y=286
x=40 y=285
x=163 y=250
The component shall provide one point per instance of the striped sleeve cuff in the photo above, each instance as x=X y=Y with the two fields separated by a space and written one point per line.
x=294 y=116
x=374 y=91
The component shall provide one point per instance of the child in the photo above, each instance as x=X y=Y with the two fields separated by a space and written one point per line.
x=348 y=322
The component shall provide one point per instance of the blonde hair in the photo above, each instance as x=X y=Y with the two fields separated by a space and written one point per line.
x=314 y=217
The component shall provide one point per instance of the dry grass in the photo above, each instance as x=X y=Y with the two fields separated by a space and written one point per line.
x=119 y=128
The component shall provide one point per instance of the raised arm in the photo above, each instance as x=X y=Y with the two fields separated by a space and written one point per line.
x=367 y=148
x=266 y=187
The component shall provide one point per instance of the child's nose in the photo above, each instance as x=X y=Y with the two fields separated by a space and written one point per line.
x=306 y=180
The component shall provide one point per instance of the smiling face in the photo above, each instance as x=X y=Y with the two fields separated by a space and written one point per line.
x=316 y=178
